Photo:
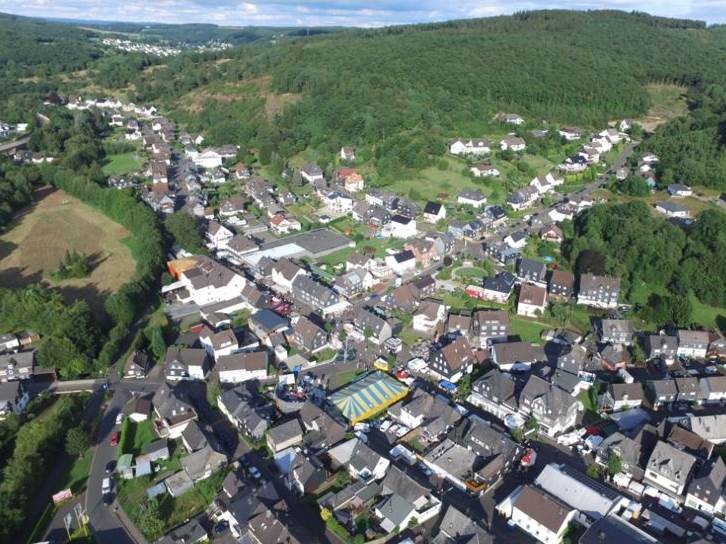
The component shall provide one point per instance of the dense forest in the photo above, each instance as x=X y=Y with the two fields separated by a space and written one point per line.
x=397 y=93
x=692 y=148
x=639 y=247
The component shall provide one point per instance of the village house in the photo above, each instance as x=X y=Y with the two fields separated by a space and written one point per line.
x=402 y=263
x=186 y=364
x=429 y=317
x=284 y=435
x=669 y=468
x=479 y=146
x=247 y=412
x=616 y=331
x=453 y=360
x=347 y=154
x=307 y=336
x=399 y=226
x=679 y=190
x=621 y=396
x=599 y=291
x=484 y=170
x=219 y=343
x=424 y=251
x=512 y=143
x=472 y=197
x=494 y=392
x=554 y=408
x=571 y=133
x=242 y=367
x=172 y=412
x=509 y=118
x=430 y=413
x=137 y=365
x=372 y=327
x=523 y=198
x=552 y=234
x=217 y=234
x=268 y=326
x=672 y=209
x=434 y=212
x=14 y=398
x=531 y=271
x=361 y=462
x=538 y=513
x=561 y=284
x=532 y=300
x=660 y=346
x=516 y=355
x=692 y=344
x=489 y=326
x=499 y=288
x=311 y=173
x=353 y=282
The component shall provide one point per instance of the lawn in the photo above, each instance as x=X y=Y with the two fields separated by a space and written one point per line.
x=470 y=272
x=121 y=164
x=434 y=184
x=78 y=474
x=135 y=435
x=529 y=330
x=31 y=249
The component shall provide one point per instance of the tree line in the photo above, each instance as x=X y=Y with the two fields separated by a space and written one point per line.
x=639 y=247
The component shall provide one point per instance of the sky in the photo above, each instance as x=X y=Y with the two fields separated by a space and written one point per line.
x=371 y=13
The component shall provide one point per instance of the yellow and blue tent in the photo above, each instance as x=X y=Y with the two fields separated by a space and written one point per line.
x=367 y=396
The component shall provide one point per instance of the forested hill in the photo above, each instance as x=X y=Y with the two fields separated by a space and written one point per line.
x=405 y=89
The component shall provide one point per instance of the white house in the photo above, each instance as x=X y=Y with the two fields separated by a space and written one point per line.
x=537 y=513
x=679 y=190
x=218 y=344
x=429 y=316
x=434 y=212
x=284 y=272
x=484 y=169
x=402 y=263
x=671 y=209
x=532 y=300
x=347 y=154
x=242 y=367
x=571 y=133
x=208 y=282
x=669 y=468
x=472 y=197
x=513 y=143
x=479 y=146
x=217 y=234
x=399 y=226
x=208 y=159
x=692 y=344
x=338 y=203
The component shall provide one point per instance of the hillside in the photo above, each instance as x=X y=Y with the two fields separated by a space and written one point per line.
x=202 y=33
x=409 y=86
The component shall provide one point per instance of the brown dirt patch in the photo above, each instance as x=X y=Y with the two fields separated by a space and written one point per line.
x=33 y=246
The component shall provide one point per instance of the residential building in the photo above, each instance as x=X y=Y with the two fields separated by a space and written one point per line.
x=494 y=393
x=472 y=197
x=186 y=364
x=561 y=284
x=669 y=469
x=516 y=355
x=554 y=408
x=453 y=360
x=219 y=343
x=661 y=346
x=499 y=287
x=430 y=317
x=532 y=300
x=308 y=336
x=490 y=326
x=172 y=412
x=284 y=435
x=316 y=295
x=14 y=398
x=432 y=414
x=706 y=489
x=374 y=328
x=531 y=271
x=434 y=212
x=242 y=367
x=361 y=462
x=538 y=513
x=598 y=291
x=616 y=331
x=692 y=344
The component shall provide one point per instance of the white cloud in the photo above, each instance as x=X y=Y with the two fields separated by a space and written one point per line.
x=336 y=12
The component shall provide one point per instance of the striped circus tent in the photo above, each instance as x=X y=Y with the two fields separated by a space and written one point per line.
x=367 y=396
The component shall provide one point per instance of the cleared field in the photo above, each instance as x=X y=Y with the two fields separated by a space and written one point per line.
x=434 y=184
x=120 y=164
x=667 y=101
x=35 y=244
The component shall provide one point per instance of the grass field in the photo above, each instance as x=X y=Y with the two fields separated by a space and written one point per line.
x=136 y=435
x=434 y=184
x=33 y=246
x=121 y=164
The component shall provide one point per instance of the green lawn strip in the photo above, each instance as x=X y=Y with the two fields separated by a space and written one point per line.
x=121 y=163
x=528 y=330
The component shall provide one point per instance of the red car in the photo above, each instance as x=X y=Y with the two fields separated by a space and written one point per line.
x=114 y=439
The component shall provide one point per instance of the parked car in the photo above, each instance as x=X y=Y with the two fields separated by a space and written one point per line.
x=119 y=418
x=114 y=439
x=255 y=473
x=106 y=486
x=110 y=466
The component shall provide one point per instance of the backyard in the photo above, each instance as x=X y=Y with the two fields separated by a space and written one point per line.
x=121 y=164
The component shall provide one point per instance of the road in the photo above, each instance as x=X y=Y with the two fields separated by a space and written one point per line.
x=587 y=190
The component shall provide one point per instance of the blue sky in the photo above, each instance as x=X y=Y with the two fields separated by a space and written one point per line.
x=336 y=12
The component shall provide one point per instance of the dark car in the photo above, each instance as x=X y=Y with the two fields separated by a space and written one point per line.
x=110 y=466
x=107 y=498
